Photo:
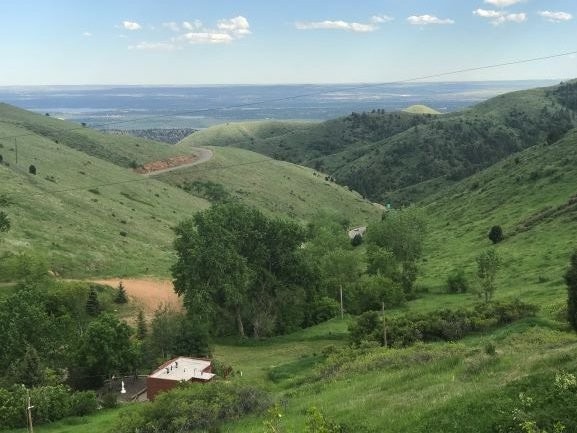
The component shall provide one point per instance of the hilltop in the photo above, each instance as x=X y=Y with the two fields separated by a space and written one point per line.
x=421 y=109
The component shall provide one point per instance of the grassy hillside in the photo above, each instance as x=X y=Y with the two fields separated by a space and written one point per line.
x=123 y=150
x=119 y=229
x=421 y=109
x=124 y=227
x=276 y=187
x=532 y=196
x=382 y=155
x=309 y=143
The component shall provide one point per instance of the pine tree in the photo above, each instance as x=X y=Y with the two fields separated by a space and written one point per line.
x=28 y=370
x=121 y=297
x=571 y=280
x=141 y=328
x=92 y=304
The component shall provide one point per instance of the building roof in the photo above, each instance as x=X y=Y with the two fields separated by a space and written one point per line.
x=183 y=369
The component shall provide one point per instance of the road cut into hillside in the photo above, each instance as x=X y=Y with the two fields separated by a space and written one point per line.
x=150 y=293
x=199 y=156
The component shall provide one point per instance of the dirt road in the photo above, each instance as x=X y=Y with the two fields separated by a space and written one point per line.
x=201 y=155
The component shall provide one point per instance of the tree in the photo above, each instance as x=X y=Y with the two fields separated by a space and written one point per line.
x=496 y=234
x=28 y=370
x=105 y=350
x=92 y=303
x=571 y=281
x=488 y=263
x=234 y=263
x=141 y=328
x=121 y=297
x=402 y=233
x=4 y=222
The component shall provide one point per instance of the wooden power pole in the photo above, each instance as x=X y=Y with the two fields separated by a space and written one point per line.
x=385 y=343
x=29 y=412
x=342 y=308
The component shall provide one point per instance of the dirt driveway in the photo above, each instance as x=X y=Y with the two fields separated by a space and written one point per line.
x=150 y=293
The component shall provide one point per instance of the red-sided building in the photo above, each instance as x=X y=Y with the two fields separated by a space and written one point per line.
x=181 y=369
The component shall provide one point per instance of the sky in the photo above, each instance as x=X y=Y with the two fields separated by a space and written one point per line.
x=190 y=42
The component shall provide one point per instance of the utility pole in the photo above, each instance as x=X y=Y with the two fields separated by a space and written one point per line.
x=385 y=344
x=29 y=412
x=16 y=149
x=342 y=309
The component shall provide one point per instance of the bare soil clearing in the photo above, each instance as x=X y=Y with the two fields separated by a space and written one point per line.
x=149 y=292
x=199 y=156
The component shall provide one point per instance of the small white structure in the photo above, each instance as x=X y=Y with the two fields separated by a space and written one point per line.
x=357 y=231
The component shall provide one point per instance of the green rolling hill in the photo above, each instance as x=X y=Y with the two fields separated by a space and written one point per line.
x=90 y=215
x=384 y=155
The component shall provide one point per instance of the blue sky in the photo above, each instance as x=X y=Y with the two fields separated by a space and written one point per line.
x=296 y=41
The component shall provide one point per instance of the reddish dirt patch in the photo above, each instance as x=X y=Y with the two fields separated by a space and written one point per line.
x=150 y=293
x=175 y=161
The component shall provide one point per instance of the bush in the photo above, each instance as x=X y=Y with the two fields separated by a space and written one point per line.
x=457 y=282
x=323 y=309
x=51 y=403
x=192 y=406
x=496 y=234
x=83 y=403
x=442 y=325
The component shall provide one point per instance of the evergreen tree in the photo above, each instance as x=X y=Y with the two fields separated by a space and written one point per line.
x=496 y=234
x=92 y=304
x=141 y=328
x=571 y=280
x=121 y=297
x=28 y=370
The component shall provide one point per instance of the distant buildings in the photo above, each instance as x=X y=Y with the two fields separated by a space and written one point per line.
x=181 y=369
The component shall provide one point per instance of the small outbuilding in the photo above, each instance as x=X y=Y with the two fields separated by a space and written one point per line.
x=181 y=369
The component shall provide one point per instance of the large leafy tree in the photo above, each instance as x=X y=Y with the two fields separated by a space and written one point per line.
x=235 y=262
x=396 y=245
x=106 y=349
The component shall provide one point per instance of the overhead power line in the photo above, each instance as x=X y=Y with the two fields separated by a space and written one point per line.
x=316 y=93
x=274 y=100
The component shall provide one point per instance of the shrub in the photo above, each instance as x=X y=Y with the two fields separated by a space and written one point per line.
x=441 y=325
x=83 y=403
x=457 y=282
x=194 y=406
x=496 y=234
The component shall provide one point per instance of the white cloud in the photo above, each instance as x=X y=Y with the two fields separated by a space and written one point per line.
x=153 y=46
x=349 y=26
x=424 y=20
x=336 y=25
x=193 y=32
x=172 y=26
x=503 y=3
x=498 y=17
x=556 y=17
x=190 y=26
x=87 y=34
x=131 y=25
x=206 y=38
x=237 y=26
x=381 y=19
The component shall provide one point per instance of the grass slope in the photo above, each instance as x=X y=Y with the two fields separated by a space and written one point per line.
x=532 y=196
x=421 y=109
x=124 y=227
x=79 y=229
x=382 y=155
x=276 y=187
x=123 y=150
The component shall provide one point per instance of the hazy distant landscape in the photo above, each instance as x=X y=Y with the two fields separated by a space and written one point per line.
x=197 y=107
